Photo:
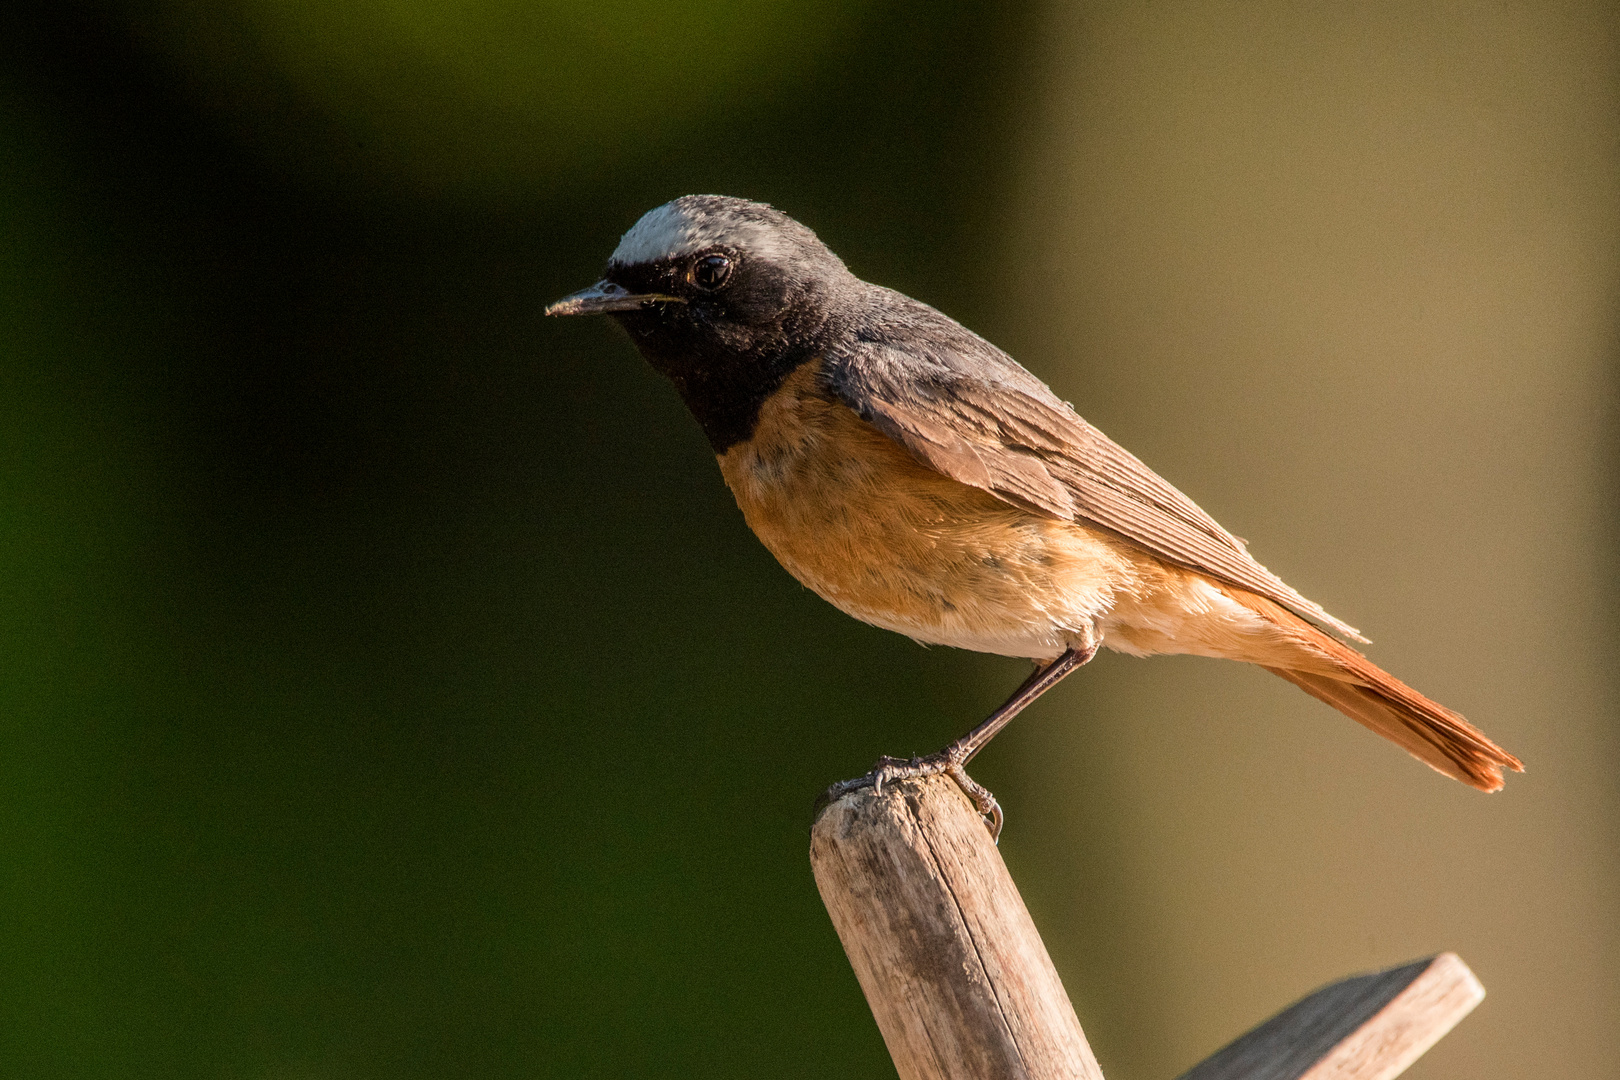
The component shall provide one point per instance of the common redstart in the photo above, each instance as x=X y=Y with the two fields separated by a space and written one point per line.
x=916 y=477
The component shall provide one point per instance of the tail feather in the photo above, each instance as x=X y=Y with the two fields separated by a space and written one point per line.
x=1361 y=690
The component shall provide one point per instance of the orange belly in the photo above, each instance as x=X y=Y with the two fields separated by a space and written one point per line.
x=863 y=524
x=858 y=520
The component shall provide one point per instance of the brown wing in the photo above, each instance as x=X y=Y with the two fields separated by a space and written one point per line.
x=965 y=408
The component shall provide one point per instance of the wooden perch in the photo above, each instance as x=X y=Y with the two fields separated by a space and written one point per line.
x=962 y=986
x=1367 y=1027
x=940 y=940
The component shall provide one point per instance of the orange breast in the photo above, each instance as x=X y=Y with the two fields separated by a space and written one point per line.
x=857 y=519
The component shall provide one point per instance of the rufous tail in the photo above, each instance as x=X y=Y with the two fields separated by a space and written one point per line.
x=1332 y=672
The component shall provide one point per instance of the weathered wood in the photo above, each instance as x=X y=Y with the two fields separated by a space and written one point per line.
x=962 y=986
x=940 y=940
x=1369 y=1027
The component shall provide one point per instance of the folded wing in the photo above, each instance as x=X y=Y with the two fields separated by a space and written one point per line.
x=966 y=409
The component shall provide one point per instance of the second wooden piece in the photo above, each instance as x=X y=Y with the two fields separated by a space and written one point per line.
x=940 y=940
x=1369 y=1027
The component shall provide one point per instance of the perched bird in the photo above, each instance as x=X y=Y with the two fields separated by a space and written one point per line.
x=916 y=477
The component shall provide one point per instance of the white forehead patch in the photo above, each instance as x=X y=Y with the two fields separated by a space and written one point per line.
x=661 y=233
x=671 y=231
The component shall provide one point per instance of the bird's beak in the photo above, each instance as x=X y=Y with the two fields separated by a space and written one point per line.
x=606 y=296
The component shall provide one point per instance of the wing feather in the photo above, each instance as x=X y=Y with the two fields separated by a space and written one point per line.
x=969 y=411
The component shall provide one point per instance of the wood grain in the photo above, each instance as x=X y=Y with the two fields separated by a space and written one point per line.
x=962 y=987
x=1368 y=1027
x=940 y=940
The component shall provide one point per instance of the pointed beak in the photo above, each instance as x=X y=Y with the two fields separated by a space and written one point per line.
x=605 y=296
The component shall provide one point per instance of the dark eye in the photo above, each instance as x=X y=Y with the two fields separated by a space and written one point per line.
x=711 y=272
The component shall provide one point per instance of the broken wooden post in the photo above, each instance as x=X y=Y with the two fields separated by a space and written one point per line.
x=941 y=943
x=1366 y=1027
x=962 y=986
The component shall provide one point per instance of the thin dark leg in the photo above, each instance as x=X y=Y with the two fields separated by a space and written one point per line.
x=952 y=760
x=1039 y=682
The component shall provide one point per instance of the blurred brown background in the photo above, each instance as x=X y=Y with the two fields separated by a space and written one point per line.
x=390 y=687
x=1349 y=274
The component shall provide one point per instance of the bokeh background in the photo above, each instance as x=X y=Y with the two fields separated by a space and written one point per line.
x=389 y=687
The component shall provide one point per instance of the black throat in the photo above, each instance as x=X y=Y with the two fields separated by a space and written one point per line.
x=724 y=384
x=727 y=352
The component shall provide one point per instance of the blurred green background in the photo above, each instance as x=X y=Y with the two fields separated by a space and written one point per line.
x=390 y=688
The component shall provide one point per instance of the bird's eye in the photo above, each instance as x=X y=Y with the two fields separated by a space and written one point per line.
x=711 y=272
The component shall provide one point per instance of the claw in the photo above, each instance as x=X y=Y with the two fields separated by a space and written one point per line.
x=984 y=802
x=948 y=762
x=994 y=821
x=886 y=768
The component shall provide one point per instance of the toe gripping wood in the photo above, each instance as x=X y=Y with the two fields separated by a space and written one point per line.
x=962 y=986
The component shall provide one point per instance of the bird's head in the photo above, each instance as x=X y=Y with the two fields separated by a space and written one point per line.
x=726 y=298
x=722 y=295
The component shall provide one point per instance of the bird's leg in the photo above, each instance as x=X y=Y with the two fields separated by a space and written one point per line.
x=952 y=761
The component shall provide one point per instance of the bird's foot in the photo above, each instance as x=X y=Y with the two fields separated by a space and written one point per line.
x=950 y=762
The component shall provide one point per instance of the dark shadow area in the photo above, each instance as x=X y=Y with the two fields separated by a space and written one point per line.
x=391 y=687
